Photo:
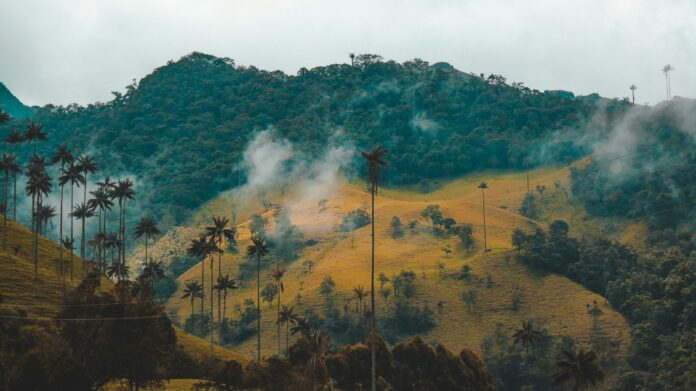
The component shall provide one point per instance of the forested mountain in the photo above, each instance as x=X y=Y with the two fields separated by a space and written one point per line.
x=183 y=128
x=12 y=105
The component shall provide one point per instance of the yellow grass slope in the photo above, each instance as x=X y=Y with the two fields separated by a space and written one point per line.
x=554 y=301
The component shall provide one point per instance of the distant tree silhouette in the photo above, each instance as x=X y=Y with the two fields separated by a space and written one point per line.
x=633 y=89
x=581 y=368
x=73 y=175
x=5 y=117
x=483 y=186
x=224 y=285
x=527 y=335
x=258 y=250
x=375 y=160
x=287 y=316
x=63 y=156
x=147 y=227
x=668 y=81
x=82 y=211
x=193 y=290
x=277 y=273
x=34 y=133
x=38 y=186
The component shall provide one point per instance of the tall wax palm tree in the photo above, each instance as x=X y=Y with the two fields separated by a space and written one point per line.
x=69 y=245
x=123 y=192
x=62 y=156
x=198 y=249
x=193 y=290
x=111 y=242
x=352 y=58
x=73 y=175
x=668 y=81
x=360 y=294
x=581 y=368
x=38 y=186
x=6 y=165
x=118 y=270
x=375 y=160
x=44 y=215
x=82 y=211
x=88 y=166
x=277 y=273
x=633 y=89
x=107 y=187
x=483 y=186
x=258 y=250
x=34 y=133
x=15 y=137
x=147 y=227
x=224 y=284
x=219 y=232
x=527 y=335
x=212 y=249
x=287 y=316
x=101 y=202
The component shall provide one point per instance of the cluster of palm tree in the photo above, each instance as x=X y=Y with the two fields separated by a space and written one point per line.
x=207 y=245
x=74 y=171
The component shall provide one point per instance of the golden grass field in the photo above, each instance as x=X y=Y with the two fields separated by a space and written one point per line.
x=553 y=301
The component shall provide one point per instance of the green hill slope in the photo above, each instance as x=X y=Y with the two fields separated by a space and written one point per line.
x=12 y=105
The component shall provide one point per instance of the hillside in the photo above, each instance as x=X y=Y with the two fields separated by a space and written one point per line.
x=12 y=105
x=43 y=297
x=554 y=301
x=183 y=128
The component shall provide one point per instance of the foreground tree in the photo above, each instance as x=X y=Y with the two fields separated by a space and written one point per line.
x=82 y=212
x=527 y=335
x=287 y=316
x=224 y=284
x=375 y=160
x=581 y=368
x=193 y=290
x=218 y=232
x=258 y=250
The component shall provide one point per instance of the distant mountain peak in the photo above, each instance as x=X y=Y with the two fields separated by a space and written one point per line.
x=12 y=105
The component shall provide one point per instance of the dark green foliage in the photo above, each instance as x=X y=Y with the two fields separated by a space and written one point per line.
x=406 y=319
x=355 y=219
x=243 y=326
x=180 y=264
x=397 y=230
x=529 y=207
x=656 y=182
x=517 y=367
x=656 y=292
x=190 y=120
x=165 y=287
x=197 y=324
x=466 y=235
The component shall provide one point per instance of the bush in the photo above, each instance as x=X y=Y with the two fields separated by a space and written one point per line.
x=355 y=219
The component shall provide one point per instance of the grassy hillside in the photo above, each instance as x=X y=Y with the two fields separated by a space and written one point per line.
x=554 y=301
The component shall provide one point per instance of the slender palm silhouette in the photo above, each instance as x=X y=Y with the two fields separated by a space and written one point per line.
x=9 y=166
x=147 y=227
x=287 y=316
x=62 y=156
x=633 y=89
x=123 y=192
x=668 y=80
x=581 y=368
x=224 y=284
x=73 y=175
x=111 y=242
x=198 y=249
x=258 y=250
x=219 y=232
x=15 y=137
x=34 y=133
x=193 y=290
x=483 y=186
x=38 y=186
x=101 y=202
x=527 y=335
x=44 y=216
x=107 y=187
x=277 y=273
x=211 y=249
x=82 y=212
x=375 y=160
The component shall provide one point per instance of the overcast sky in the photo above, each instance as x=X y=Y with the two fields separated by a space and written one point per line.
x=81 y=50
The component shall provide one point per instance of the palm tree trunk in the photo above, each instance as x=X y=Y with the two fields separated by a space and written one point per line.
x=4 y=212
x=258 y=306
x=72 y=225
x=219 y=291
x=212 y=305
x=82 y=247
x=372 y=299
x=278 y=318
x=287 y=338
x=14 y=197
x=224 y=313
x=485 y=243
